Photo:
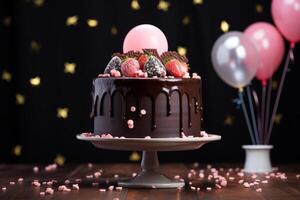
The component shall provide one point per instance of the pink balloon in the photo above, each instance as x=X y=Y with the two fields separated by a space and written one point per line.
x=286 y=15
x=270 y=47
x=145 y=36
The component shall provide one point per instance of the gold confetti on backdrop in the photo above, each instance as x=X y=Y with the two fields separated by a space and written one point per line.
x=17 y=150
x=224 y=26
x=278 y=118
x=163 y=5
x=7 y=21
x=60 y=159
x=229 y=120
x=35 y=46
x=72 y=20
x=62 y=113
x=92 y=23
x=185 y=20
x=6 y=76
x=35 y=81
x=135 y=5
x=181 y=50
x=259 y=8
x=135 y=157
x=114 y=30
x=20 y=99
x=197 y=2
x=70 y=68
x=38 y=3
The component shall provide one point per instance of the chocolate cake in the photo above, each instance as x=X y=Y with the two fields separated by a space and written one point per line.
x=143 y=94
x=157 y=107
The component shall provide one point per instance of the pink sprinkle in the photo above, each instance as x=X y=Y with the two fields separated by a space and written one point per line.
x=134 y=174
x=67 y=182
x=102 y=190
x=227 y=174
x=111 y=188
x=119 y=188
x=42 y=193
x=49 y=190
x=193 y=188
x=153 y=186
x=201 y=175
x=106 y=75
x=97 y=174
x=116 y=175
x=186 y=75
x=223 y=183
x=62 y=188
x=267 y=177
x=89 y=176
x=35 y=169
x=95 y=184
x=67 y=190
x=36 y=184
x=147 y=137
x=51 y=167
x=132 y=109
x=12 y=183
x=20 y=180
x=75 y=187
x=90 y=165
x=265 y=181
x=115 y=73
x=208 y=188
x=44 y=183
x=254 y=176
x=49 y=183
x=143 y=112
x=231 y=178
x=3 y=188
x=258 y=190
x=246 y=185
x=130 y=123
x=183 y=135
x=218 y=186
x=241 y=181
x=177 y=177
x=241 y=174
x=190 y=183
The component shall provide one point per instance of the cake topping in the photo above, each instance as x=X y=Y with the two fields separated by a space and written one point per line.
x=176 y=65
x=130 y=123
x=154 y=67
x=130 y=67
x=114 y=63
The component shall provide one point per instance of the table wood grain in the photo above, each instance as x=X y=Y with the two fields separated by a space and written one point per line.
x=275 y=189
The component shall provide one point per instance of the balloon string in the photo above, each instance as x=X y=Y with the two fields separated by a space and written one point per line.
x=246 y=117
x=255 y=98
x=268 y=105
x=263 y=109
x=282 y=79
x=253 y=116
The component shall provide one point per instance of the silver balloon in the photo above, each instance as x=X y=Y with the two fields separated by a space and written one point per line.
x=235 y=59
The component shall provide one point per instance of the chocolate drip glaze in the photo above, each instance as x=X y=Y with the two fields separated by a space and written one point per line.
x=139 y=88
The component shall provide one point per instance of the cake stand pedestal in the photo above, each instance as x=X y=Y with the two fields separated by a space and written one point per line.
x=150 y=176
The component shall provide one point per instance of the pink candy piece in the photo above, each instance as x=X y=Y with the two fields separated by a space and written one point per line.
x=298 y=176
x=183 y=135
x=143 y=112
x=218 y=186
x=42 y=193
x=130 y=123
x=203 y=134
x=111 y=188
x=177 y=177
x=12 y=183
x=132 y=108
x=115 y=73
x=254 y=176
x=36 y=184
x=62 y=188
x=186 y=75
x=265 y=181
x=116 y=176
x=102 y=190
x=258 y=190
x=95 y=184
x=35 y=169
x=246 y=185
x=75 y=187
x=97 y=174
x=241 y=181
x=231 y=178
x=208 y=188
x=223 y=183
x=51 y=167
x=147 y=137
x=119 y=188
x=49 y=183
x=49 y=190
x=89 y=176
x=90 y=165
x=67 y=181
x=20 y=180
x=134 y=174
x=193 y=188
x=3 y=188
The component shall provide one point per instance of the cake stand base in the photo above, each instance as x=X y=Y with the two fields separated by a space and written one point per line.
x=150 y=177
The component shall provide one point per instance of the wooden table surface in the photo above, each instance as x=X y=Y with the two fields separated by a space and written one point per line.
x=276 y=188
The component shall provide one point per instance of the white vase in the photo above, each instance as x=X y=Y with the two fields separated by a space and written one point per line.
x=257 y=158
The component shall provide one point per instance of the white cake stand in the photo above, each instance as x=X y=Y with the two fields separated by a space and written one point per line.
x=150 y=176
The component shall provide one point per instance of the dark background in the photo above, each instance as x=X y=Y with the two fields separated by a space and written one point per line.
x=36 y=41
